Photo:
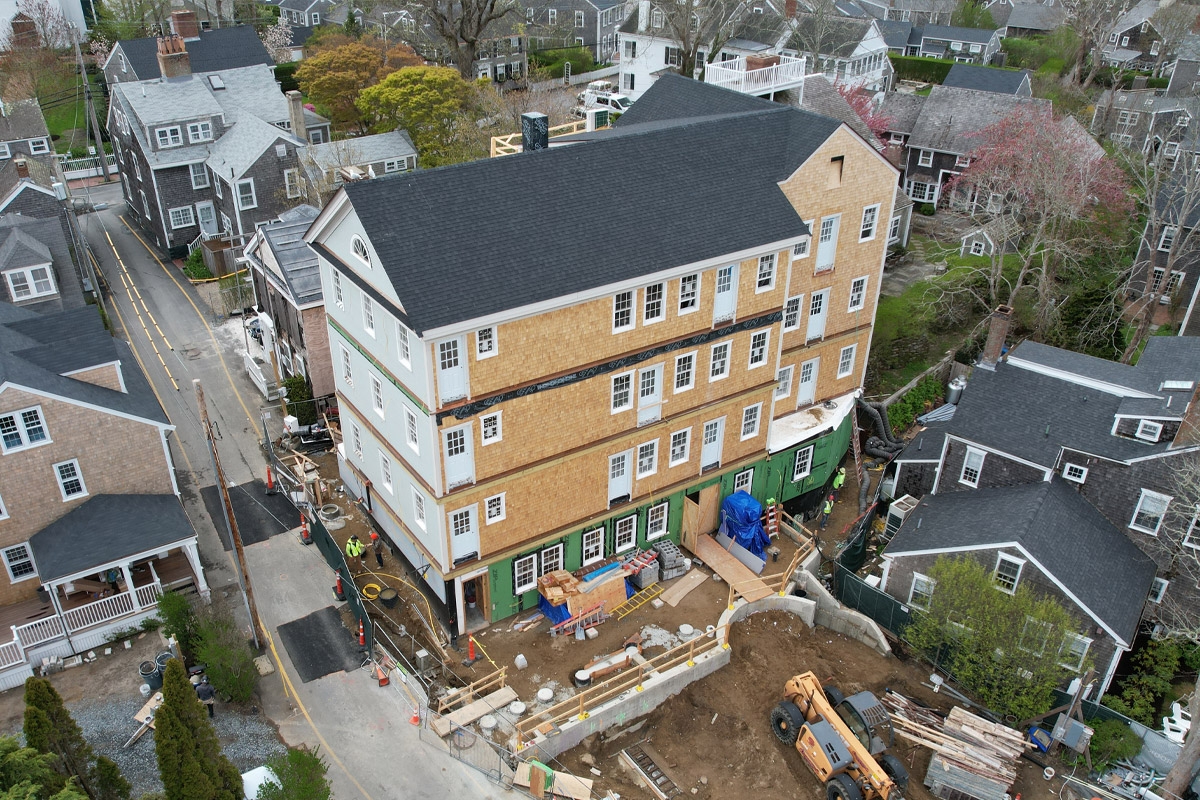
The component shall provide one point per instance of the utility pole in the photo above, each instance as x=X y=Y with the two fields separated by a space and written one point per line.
x=91 y=107
x=230 y=519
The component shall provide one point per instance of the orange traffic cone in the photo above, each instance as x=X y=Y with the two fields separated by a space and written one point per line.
x=381 y=675
x=304 y=534
x=416 y=717
x=362 y=634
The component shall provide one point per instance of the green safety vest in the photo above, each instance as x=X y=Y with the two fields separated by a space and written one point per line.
x=354 y=548
x=828 y=506
x=838 y=480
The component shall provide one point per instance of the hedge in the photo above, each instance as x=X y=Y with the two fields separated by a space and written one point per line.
x=286 y=75
x=916 y=68
x=553 y=60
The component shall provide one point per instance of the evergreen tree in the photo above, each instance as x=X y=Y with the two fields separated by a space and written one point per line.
x=190 y=761
x=109 y=783
x=301 y=776
x=49 y=728
x=26 y=774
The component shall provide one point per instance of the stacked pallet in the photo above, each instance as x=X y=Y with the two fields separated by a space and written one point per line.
x=971 y=754
x=556 y=586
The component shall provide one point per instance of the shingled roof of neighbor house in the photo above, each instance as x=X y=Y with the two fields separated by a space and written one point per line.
x=215 y=50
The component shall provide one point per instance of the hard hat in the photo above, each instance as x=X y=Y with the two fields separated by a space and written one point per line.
x=374 y=535
x=841 y=470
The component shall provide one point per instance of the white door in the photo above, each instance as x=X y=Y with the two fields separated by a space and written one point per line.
x=620 y=477
x=725 y=297
x=806 y=387
x=459 y=459
x=452 y=373
x=827 y=242
x=710 y=450
x=208 y=218
x=464 y=534
x=818 y=308
x=650 y=394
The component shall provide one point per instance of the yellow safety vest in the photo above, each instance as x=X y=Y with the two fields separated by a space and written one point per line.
x=354 y=548
x=839 y=480
x=828 y=507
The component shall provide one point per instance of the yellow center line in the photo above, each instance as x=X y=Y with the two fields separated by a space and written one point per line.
x=127 y=280
x=203 y=321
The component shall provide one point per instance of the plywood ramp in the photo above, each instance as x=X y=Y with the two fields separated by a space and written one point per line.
x=464 y=716
x=732 y=571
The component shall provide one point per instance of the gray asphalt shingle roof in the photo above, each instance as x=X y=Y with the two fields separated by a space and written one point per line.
x=1035 y=17
x=297 y=261
x=241 y=146
x=955 y=34
x=22 y=120
x=35 y=350
x=361 y=150
x=822 y=98
x=951 y=118
x=895 y=33
x=904 y=110
x=986 y=79
x=217 y=49
x=108 y=528
x=537 y=250
x=1054 y=524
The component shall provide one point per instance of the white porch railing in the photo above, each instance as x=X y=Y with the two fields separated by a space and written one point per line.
x=11 y=654
x=42 y=630
x=99 y=611
x=734 y=74
x=148 y=595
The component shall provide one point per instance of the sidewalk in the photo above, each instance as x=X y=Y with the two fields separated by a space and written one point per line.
x=373 y=752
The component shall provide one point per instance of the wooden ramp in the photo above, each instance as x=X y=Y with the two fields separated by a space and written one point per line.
x=676 y=593
x=732 y=571
x=472 y=711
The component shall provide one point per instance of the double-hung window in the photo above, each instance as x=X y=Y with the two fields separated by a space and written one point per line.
x=19 y=563
x=410 y=430
x=593 y=546
x=750 y=417
x=922 y=591
x=1167 y=238
x=525 y=574
x=758 y=348
x=802 y=466
x=199 y=132
x=689 y=293
x=22 y=429
x=925 y=159
x=870 y=220
x=1073 y=651
x=182 y=217
x=70 y=479
x=622 y=392
x=766 y=273
x=647 y=459
x=169 y=137
x=622 y=311
x=685 y=371
x=846 y=361
x=719 y=365
x=1007 y=573
x=783 y=382
x=656 y=520
x=30 y=282
x=653 y=307
x=403 y=348
x=347 y=367
x=791 y=312
x=1149 y=513
x=368 y=314
x=858 y=294
x=680 y=441
x=377 y=395
x=245 y=194
x=291 y=183
x=625 y=534
x=972 y=467
x=385 y=471
x=199 y=176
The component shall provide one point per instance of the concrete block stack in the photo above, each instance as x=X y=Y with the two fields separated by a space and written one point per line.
x=670 y=560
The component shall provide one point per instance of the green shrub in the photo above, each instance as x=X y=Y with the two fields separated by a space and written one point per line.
x=552 y=61
x=1112 y=741
x=1053 y=67
x=228 y=660
x=178 y=620
x=286 y=75
x=301 y=776
x=194 y=266
x=299 y=399
x=918 y=68
x=905 y=410
x=927 y=209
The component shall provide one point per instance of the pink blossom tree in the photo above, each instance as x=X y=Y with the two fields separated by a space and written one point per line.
x=863 y=104
x=1048 y=196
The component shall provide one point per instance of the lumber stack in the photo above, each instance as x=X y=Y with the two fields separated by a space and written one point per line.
x=556 y=586
x=971 y=754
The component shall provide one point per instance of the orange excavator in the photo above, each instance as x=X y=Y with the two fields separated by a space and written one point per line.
x=842 y=739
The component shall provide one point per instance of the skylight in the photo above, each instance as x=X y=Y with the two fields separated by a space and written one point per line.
x=216 y=82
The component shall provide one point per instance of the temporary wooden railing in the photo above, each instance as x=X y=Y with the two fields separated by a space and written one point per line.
x=580 y=706
x=510 y=143
x=468 y=693
x=807 y=544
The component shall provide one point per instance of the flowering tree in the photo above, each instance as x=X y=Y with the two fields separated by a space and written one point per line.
x=1050 y=195
x=278 y=40
x=864 y=106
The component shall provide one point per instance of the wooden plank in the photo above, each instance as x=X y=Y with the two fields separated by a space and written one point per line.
x=731 y=570
x=473 y=711
x=676 y=593
x=565 y=785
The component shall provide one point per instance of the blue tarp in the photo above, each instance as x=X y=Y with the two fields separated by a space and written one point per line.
x=743 y=522
x=557 y=614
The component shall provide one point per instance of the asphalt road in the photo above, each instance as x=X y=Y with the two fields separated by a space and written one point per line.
x=178 y=338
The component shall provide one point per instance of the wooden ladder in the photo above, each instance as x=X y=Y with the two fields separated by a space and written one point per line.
x=588 y=618
x=637 y=601
x=857 y=445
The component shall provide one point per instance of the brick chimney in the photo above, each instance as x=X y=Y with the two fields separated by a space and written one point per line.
x=185 y=25
x=997 y=331
x=296 y=115
x=173 y=58
x=22 y=167
x=789 y=8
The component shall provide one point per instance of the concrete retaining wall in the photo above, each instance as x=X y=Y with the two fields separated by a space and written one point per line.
x=846 y=621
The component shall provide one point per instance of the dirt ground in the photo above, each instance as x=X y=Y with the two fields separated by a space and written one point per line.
x=714 y=738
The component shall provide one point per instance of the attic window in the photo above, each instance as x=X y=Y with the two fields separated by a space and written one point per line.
x=1074 y=473
x=360 y=250
x=281 y=150
x=835 y=171
x=1158 y=589
x=1149 y=430
x=216 y=82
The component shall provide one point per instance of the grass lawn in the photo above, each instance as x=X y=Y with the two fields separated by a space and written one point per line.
x=66 y=111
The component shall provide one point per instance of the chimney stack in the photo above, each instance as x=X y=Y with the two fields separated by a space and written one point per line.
x=643 y=15
x=789 y=8
x=22 y=167
x=997 y=331
x=185 y=25
x=535 y=132
x=296 y=115
x=173 y=58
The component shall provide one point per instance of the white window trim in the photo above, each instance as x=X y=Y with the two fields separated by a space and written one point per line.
x=766 y=350
x=632 y=295
x=783 y=381
x=757 y=408
x=241 y=203
x=1158 y=589
x=385 y=472
x=1002 y=558
x=796 y=474
x=1087 y=644
x=412 y=431
x=853 y=350
x=164 y=136
x=359 y=248
x=805 y=246
x=1149 y=430
x=687 y=449
x=630 y=519
x=662 y=304
x=594 y=534
x=291 y=183
x=196 y=132
x=912 y=590
x=1193 y=528
x=695 y=306
x=1074 y=473
x=874 y=224
x=78 y=474
x=31 y=282
x=377 y=389
x=487 y=509
x=1146 y=493
x=712 y=378
x=862 y=298
x=532 y=560
x=499 y=437
x=3 y=509
x=403 y=344
x=770 y=260
x=28 y=557
x=204 y=172
x=694 y=355
x=184 y=211
x=612 y=393
x=653 y=445
x=925 y=158
x=368 y=315
x=962 y=475
x=742 y=483
x=418 y=507
x=651 y=533
x=799 y=298
x=495 y=348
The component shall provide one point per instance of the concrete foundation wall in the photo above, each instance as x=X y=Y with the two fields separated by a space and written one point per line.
x=848 y=622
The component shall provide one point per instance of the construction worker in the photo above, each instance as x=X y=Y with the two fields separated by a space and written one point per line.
x=377 y=548
x=354 y=551
x=839 y=480
x=826 y=510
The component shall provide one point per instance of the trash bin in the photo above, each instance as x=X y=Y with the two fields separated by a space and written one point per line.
x=148 y=671
x=161 y=662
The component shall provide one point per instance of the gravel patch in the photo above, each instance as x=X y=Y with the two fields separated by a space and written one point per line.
x=247 y=740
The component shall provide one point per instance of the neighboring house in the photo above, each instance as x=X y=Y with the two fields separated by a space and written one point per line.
x=208 y=51
x=23 y=131
x=91 y=527
x=287 y=290
x=1030 y=19
x=939 y=132
x=27 y=187
x=300 y=36
x=921 y=12
x=36 y=264
x=719 y=349
x=305 y=13
x=990 y=79
x=964 y=45
x=580 y=23
x=330 y=164
x=895 y=34
x=205 y=155
x=1118 y=433
x=1142 y=119
x=1133 y=42
x=854 y=51
x=1044 y=535
x=1002 y=234
x=12 y=17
